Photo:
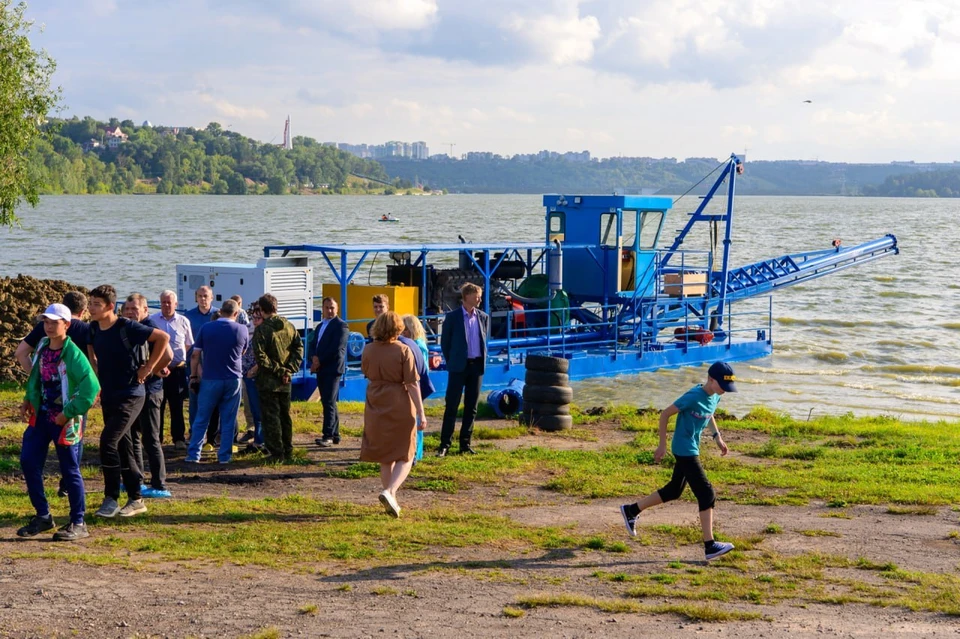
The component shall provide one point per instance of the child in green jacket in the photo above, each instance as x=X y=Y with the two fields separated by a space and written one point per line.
x=61 y=389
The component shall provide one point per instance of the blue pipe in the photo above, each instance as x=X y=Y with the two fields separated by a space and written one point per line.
x=507 y=401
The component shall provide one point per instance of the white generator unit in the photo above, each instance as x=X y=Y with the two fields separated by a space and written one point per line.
x=289 y=279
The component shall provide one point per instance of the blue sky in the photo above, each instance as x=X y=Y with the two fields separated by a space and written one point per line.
x=658 y=78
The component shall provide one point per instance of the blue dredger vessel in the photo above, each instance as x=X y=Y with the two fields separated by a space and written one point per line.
x=596 y=290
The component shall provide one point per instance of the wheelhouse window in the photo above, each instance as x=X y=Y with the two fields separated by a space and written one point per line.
x=629 y=229
x=556 y=225
x=650 y=228
x=608 y=229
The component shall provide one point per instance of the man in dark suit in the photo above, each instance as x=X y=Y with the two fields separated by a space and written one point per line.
x=328 y=363
x=464 y=346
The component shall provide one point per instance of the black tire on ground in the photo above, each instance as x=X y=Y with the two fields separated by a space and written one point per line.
x=548 y=394
x=547 y=364
x=545 y=409
x=552 y=423
x=542 y=378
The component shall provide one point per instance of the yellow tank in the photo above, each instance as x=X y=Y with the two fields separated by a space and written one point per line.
x=403 y=299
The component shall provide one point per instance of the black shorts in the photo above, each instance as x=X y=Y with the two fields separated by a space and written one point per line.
x=689 y=471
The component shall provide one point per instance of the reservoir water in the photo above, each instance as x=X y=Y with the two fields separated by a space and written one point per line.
x=876 y=339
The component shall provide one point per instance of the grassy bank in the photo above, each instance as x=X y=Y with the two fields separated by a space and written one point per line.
x=778 y=460
x=323 y=521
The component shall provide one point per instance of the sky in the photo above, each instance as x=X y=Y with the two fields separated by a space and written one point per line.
x=660 y=78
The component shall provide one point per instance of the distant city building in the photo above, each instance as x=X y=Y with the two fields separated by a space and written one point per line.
x=90 y=145
x=393 y=149
x=147 y=123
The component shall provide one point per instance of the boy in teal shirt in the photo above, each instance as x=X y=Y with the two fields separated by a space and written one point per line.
x=694 y=410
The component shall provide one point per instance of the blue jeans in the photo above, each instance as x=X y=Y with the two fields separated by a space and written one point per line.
x=212 y=425
x=419 y=454
x=33 y=455
x=215 y=393
x=254 y=398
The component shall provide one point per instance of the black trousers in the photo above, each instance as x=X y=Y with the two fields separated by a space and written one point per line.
x=175 y=392
x=329 y=388
x=464 y=384
x=277 y=422
x=146 y=436
x=116 y=446
x=689 y=471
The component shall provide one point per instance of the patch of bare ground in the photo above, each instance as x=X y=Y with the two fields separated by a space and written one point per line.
x=434 y=599
x=456 y=591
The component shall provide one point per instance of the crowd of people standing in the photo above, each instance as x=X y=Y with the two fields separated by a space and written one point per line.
x=139 y=366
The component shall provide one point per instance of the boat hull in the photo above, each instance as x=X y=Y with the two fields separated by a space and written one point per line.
x=586 y=364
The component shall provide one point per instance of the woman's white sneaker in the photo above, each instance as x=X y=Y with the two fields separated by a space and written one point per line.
x=390 y=504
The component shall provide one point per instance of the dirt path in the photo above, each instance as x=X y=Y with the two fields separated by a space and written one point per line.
x=457 y=592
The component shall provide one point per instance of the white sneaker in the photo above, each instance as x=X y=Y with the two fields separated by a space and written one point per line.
x=110 y=508
x=133 y=507
x=390 y=504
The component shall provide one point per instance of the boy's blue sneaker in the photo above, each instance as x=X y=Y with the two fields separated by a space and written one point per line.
x=716 y=548
x=629 y=520
x=155 y=493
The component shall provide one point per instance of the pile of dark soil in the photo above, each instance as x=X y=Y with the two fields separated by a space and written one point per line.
x=22 y=298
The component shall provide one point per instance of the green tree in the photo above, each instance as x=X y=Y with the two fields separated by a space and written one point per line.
x=236 y=185
x=276 y=186
x=25 y=100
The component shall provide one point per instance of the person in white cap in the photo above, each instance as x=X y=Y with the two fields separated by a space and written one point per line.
x=60 y=390
x=78 y=332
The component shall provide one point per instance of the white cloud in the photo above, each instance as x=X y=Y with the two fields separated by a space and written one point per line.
x=819 y=74
x=410 y=108
x=227 y=109
x=507 y=113
x=559 y=39
x=361 y=110
x=476 y=115
x=682 y=78
x=394 y=14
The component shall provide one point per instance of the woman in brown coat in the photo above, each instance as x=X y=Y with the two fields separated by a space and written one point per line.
x=392 y=407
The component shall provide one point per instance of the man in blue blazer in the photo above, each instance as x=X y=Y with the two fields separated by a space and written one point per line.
x=464 y=345
x=329 y=363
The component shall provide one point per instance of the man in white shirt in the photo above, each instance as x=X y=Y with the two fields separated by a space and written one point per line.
x=175 y=385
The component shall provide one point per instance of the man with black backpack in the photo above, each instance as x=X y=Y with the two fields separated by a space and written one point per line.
x=122 y=367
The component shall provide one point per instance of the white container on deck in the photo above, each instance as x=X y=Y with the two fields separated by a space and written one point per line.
x=289 y=279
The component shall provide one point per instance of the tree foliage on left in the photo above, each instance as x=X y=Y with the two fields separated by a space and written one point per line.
x=25 y=99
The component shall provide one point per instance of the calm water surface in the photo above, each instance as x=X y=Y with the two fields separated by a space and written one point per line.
x=876 y=339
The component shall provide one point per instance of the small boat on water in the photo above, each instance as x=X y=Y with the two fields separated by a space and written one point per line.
x=388 y=218
x=601 y=288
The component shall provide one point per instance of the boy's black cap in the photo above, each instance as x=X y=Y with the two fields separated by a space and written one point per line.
x=723 y=373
